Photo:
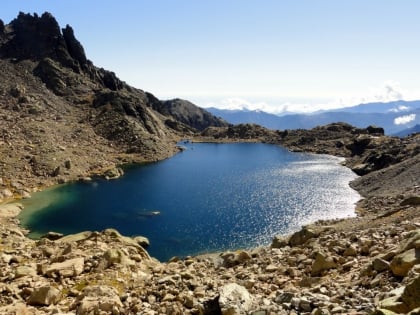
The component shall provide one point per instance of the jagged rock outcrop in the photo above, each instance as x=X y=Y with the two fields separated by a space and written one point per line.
x=189 y=114
x=56 y=106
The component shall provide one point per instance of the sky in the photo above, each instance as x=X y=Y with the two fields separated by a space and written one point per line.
x=273 y=55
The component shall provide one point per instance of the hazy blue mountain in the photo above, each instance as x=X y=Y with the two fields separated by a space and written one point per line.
x=408 y=131
x=363 y=115
x=397 y=106
x=247 y=116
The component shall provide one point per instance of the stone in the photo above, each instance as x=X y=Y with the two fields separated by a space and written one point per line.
x=300 y=237
x=75 y=237
x=53 y=236
x=10 y=210
x=394 y=304
x=380 y=264
x=115 y=256
x=271 y=268
x=44 y=296
x=322 y=262
x=412 y=241
x=411 y=294
x=142 y=241
x=97 y=299
x=284 y=297
x=68 y=268
x=279 y=241
x=113 y=173
x=231 y=259
x=402 y=263
x=350 y=251
x=411 y=201
x=23 y=271
x=234 y=299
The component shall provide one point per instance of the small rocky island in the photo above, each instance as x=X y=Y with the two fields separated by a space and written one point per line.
x=64 y=119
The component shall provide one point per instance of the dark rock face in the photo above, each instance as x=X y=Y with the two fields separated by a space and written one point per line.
x=52 y=95
x=74 y=47
x=188 y=113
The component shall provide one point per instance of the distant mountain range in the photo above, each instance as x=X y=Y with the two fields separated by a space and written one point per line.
x=394 y=117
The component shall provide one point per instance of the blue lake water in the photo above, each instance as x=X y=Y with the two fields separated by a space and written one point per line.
x=210 y=197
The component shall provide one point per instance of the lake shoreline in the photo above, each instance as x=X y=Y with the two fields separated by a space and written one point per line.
x=256 y=169
x=337 y=266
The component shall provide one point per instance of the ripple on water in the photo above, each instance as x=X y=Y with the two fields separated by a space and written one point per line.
x=210 y=197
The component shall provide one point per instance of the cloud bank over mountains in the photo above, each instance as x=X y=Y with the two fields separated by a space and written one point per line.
x=390 y=91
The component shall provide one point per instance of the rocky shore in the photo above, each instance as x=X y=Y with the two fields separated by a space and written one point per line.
x=353 y=266
x=364 y=265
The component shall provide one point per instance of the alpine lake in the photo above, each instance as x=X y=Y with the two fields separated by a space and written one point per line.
x=208 y=198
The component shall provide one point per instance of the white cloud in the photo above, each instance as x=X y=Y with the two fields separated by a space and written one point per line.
x=400 y=108
x=390 y=91
x=237 y=103
x=402 y=120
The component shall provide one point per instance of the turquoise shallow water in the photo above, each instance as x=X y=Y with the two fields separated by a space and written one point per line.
x=210 y=197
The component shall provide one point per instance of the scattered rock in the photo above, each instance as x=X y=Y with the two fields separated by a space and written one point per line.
x=46 y=295
x=234 y=299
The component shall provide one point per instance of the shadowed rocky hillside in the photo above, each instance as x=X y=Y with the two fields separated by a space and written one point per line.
x=63 y=118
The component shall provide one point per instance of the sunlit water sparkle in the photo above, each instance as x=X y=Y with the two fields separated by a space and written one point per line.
x=210 y=197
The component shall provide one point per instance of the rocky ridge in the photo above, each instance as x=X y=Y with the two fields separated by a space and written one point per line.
x=62 y=118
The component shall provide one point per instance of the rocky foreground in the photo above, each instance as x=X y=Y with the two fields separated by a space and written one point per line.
x=354 y=266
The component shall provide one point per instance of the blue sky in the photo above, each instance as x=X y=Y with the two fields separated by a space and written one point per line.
x=275 y=55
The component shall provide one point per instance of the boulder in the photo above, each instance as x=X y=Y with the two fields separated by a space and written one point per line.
x=142 y=241
x=231 y=259
x=10 y=210
x=53 y=236
x=375 y=130
x=402 y=263
x=234 y=299
x=114 y=256
x=411 y=294
x=44 y=296
x=23 y=271
x=322 y=262
x=113 y=173
x=68 y=268
x=300 y=237
x=380 y=264
x=412 y=241
x=350 y=251
x=75 y=237
x=394 y=304
x=98 y=299
x=279 y=241
x=411 y=201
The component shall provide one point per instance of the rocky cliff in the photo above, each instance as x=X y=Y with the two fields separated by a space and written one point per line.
x=63 y=118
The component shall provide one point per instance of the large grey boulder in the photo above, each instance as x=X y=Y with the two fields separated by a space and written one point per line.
x=234 y=299
x=68 y=268
x=322 y=262
x=402 y=263
x=302 y=236
x=44 y=296
x=97 y=300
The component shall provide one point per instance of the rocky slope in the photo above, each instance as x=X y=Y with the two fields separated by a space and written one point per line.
x=62 y=119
